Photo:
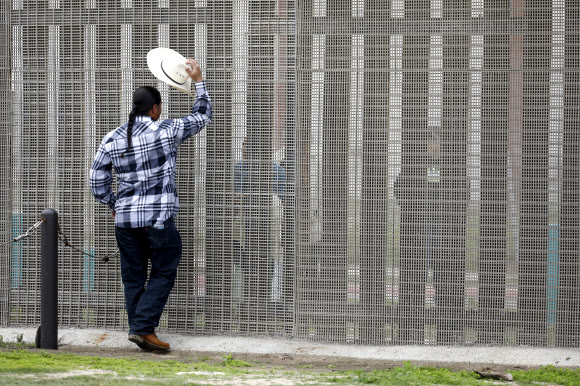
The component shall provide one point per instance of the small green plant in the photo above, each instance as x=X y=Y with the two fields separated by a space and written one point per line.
x=230 y=361
x=18 y=344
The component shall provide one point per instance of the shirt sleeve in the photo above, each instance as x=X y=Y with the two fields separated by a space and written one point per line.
x=201 y=114
x=101 y=178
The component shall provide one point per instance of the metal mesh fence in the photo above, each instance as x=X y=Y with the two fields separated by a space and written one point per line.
x=4 y=160
x=399 y=172
x=74 y=68
x=437 y=172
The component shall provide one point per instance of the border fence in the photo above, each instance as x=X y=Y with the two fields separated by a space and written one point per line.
x=376 y=172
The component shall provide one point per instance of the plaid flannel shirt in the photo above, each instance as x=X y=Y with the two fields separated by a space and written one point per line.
x=146 y=174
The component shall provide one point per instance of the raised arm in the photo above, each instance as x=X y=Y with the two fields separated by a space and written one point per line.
x=201 y=112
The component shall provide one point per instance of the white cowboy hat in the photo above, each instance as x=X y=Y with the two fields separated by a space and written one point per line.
x=169 y=66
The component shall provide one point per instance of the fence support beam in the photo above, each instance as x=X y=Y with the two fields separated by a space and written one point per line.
x=49 y=282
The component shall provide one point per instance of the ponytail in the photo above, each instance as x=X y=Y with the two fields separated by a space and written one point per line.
x=144 y=98
x=130 y=123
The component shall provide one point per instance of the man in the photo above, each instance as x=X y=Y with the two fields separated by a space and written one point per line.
x=143 y=153
x=257 y=267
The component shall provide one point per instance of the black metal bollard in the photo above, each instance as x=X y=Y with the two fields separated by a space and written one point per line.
x=49 y=281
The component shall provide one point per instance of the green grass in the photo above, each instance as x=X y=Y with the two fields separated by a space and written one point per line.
x=414 y=375
x=15 y=363
x=409 y=375
x=549 y=375
x=22 y=361
x=21 y=366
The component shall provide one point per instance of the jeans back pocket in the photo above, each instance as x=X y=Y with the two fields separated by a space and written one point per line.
x=158 y=238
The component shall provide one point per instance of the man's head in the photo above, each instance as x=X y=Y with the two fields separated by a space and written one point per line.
x=147 y=101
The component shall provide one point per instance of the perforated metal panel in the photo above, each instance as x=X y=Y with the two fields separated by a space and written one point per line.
x=437 y=172
x=377 y=172
x=74 y=68
x=4 y=160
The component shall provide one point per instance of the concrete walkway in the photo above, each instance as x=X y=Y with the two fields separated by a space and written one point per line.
x=505 y=356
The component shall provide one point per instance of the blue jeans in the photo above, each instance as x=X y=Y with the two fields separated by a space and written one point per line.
x=138 y=246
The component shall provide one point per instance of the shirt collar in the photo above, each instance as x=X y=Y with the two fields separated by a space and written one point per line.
x=150 y=123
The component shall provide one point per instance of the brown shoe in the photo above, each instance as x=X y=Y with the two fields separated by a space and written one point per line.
x=149 y=342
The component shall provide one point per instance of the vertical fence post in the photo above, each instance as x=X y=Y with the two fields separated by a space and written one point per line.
x=49 y=281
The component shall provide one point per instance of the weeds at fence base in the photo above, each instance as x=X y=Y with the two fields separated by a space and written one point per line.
x=19 y=344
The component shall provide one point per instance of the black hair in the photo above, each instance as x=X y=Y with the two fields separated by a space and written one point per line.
x=144 y=98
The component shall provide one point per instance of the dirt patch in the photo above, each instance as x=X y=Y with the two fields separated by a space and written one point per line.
x=67 y=374
x=101 y=339
x=271 y=361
